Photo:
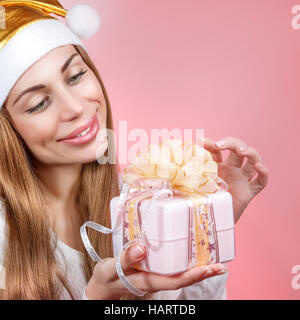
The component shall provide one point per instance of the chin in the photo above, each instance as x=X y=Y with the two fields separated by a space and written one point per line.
x=101 y=149
x=93 y=152
x=86 y=158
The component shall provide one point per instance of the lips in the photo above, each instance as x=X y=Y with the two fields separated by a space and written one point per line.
x=80 y=129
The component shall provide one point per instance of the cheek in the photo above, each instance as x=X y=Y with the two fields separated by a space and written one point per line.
x=36 y=132
x=92 y=91
x=91 y=88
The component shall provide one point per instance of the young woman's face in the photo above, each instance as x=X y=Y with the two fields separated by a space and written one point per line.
x=65 y=96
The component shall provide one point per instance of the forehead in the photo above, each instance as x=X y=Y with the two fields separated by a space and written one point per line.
x=52 y=61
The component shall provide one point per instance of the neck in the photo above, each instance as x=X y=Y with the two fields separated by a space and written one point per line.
x=59 y=181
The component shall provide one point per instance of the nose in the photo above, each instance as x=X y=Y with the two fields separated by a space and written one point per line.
x=69 y=104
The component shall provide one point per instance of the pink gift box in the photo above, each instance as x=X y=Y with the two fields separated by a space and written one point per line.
x=170 y=227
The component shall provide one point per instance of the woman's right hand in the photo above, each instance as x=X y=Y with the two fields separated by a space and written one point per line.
x=106 y=285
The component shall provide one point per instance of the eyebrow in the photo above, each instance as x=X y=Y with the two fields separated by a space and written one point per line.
x=42 y=86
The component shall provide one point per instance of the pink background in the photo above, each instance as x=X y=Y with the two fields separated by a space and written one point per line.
x=231 y=67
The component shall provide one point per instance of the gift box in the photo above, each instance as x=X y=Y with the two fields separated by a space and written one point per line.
x=177 y=207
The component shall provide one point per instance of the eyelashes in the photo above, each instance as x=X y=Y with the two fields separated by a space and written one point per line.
x=39 y=106
x=73 y=80
x=77 y=76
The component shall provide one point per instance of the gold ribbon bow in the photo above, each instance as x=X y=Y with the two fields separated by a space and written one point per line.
x=189 y=167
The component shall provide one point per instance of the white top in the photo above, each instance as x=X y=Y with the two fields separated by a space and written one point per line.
x=71 y=261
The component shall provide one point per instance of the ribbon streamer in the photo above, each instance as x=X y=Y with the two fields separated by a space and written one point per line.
x=96 y=258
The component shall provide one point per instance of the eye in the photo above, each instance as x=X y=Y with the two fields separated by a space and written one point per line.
x=40 y=106
x=73 y=80
x=77 y=77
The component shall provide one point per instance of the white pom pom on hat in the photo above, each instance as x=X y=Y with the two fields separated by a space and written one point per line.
x=83 y=20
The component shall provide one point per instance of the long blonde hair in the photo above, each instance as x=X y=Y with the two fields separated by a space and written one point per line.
x=31 y=266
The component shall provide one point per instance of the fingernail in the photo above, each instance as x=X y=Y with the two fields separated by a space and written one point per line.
x=242 y=149
x=220 y=143
x=209 y=271
x=222 y=271
x=137 y=252
x=260 y=166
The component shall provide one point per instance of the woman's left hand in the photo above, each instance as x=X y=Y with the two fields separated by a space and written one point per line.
x=239 y=177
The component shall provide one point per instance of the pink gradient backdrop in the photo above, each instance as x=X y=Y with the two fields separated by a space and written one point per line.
x=231 y=67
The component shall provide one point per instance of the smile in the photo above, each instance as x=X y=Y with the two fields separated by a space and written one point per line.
x=85 y=136
x=84 y=132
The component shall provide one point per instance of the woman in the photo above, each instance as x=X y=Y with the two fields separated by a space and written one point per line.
x=51 y=185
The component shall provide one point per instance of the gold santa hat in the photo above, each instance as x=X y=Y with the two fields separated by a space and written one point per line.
x=28 y=32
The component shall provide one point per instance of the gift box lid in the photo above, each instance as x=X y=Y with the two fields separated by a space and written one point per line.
x=168 y=218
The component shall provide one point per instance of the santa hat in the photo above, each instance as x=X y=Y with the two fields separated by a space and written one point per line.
x=28 y=32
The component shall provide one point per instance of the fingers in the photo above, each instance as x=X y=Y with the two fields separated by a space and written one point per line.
x=210 y=145
x=197 y=274
x=130 y=256
x=253 y=157
x=253 y=164
x=235 y=157
x=261 y=180
x=152 y=282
